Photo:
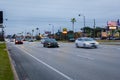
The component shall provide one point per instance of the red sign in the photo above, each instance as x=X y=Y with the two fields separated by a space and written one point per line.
x=112 y=23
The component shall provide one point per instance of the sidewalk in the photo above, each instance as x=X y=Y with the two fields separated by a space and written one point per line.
x=110 y=43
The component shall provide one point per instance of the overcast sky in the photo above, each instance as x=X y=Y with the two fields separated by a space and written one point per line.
x=101 y=10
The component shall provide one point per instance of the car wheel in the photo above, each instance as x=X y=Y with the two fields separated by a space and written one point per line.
x=77 y=45
x=43 y=45
x=84 y=45
x=95 y=47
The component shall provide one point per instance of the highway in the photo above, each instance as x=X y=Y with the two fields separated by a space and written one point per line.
x=34 y=62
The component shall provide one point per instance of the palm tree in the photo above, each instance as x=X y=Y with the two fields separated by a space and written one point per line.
x=32 y=32
x=73 y=20
x=37 y=31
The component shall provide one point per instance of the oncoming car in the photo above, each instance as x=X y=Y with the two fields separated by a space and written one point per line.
x=50 y=43
x=18 y=41
x=86 y=42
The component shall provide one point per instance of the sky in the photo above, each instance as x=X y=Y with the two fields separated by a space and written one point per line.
x=41 y=13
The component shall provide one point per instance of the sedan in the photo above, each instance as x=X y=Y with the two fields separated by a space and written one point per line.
x=50 y=43
x=86 y=42
x=18 y=41
x=43 y=40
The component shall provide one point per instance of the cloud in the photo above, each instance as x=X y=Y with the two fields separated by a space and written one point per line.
x=60 y=10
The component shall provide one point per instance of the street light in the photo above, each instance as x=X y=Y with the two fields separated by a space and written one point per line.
x=52 y=28
x=84 y=22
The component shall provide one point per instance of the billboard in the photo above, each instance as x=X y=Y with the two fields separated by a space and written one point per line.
x=1 y=17
x=112 y=24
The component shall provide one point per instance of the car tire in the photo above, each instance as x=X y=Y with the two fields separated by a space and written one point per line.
x=84 y=45
x=95 y=47
x=43 y=45
x=77 y=45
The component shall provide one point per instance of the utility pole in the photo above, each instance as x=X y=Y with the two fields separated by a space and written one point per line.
x=94 y=29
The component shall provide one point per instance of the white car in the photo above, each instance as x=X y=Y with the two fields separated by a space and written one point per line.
x=86 y=42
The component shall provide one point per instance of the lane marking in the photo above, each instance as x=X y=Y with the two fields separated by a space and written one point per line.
x=118 y=48
x=86 y=57
x=67 y=77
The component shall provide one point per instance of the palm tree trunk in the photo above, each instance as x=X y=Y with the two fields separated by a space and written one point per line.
x=73 y=27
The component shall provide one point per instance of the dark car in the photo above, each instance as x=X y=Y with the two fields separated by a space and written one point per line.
x=50 y=43
x=30 y=40
x=43 y=40
x=18 y=41
x=71 y=40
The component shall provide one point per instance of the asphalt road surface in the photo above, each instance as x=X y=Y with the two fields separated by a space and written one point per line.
x=34 y=62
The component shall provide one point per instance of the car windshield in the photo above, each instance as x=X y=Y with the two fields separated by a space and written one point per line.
x=18 y=39
x=51 y=40
x=88 y=39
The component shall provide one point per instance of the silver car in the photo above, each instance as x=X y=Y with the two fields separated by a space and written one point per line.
x=86 y=42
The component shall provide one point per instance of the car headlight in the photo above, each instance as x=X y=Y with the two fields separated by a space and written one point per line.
x=97 y=43
x=16 y=41
x=86 y=43
x=49 y=43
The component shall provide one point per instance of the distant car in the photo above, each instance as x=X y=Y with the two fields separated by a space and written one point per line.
x=18 y=41
x=31 y=40
x=50 y=43
x=86 y=42
x=117 y=39
x=43 y=40
x=71 y=40
x=11 y=40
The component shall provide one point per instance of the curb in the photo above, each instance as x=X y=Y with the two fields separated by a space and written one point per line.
x=12 y=66
x=109 y=43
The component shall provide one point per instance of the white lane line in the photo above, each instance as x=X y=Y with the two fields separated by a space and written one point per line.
x=86 y=57
x=67 y=77
x=118 y=48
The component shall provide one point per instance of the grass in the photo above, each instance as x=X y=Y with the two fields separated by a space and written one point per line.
x=6 y=72
x=108 y=40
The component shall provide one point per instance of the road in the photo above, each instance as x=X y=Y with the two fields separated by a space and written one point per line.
x=34 y=62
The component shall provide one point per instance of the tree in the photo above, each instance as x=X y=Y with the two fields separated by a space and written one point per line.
x=73 y=20
x=87 y=30
x=32 y=32
x=37 y=29
x=119 y=32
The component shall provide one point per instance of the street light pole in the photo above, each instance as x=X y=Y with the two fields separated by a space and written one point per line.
x=52 y=28
x=84 y=22
x=94 y=29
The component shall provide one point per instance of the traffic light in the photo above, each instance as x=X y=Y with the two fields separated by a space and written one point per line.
x=1 y=17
